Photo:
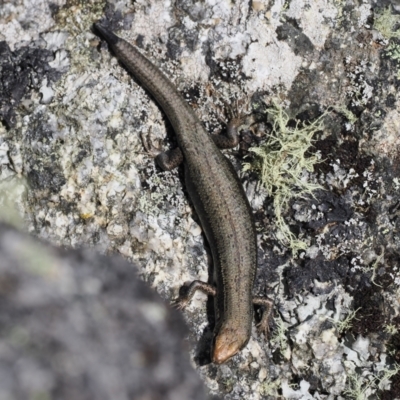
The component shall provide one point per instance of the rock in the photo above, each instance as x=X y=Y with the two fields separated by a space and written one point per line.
x=79 y=325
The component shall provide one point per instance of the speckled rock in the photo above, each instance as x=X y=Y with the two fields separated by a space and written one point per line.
x=73 y=164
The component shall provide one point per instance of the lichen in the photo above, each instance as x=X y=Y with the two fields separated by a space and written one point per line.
x=270 y=387
x=393 y=52
x=385 y=24
x=279 y=337
x=345 y=325
x=391 y=329
x=361 y=386
x=282 y=162
x=342 y=109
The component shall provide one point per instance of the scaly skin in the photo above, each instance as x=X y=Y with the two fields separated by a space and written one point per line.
x=219 y=200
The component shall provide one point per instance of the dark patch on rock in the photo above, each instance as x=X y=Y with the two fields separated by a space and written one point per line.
x=391 y=101
x=228 y=70
x=43 y=168
x=114 y=20
x=334 y=209
x=179 y=39
x=311 y=113
x=347 y=152
x=54 y=9
x=301 y=277
x=192 y=94
x=112 y=16
x=300 y=92
x=370 y=317
x=326 y=149
x=140 y=41
x=81 y=156
x=46 y=177
x=394 y=342
x=39 y=133
x=290 y=32
x=21 y=72
x=209 y=58
x=313 y=381
x=268 y=263
x=193 y=9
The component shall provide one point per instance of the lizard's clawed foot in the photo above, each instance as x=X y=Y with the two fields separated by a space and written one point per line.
x=179 y=303
x=236 y=119
x=263 y=327
x=234 y=113
x=150 y=149
x=167 y=160
x=266 y=305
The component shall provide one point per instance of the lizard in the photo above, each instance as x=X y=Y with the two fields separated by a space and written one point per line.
x=219 y=200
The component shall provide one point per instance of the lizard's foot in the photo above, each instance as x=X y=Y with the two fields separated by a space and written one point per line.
x=237 y=118
x=235 y=109
x=180 y=303
x=263 y=326
x=266 y=304
x=187 y=291
x=150 y=149
x=167 y=160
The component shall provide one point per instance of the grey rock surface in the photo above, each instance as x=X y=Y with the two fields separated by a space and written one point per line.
x=78 y=325
x=73 y=167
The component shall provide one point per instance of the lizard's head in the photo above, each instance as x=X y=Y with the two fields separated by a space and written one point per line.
x=228 y=341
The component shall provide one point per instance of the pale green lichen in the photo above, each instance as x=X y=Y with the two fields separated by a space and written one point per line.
x=391 y=329
x=346 y=113
x=385 y=376
x=362 y=386
x=346 y=324
x=380 y=260
x=279 y=337
x=281 y=162
x=385 y=24
x=270 y=388
x=393 y=52
x=358 y=387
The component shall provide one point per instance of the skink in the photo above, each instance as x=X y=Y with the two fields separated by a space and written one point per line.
x=219 y=200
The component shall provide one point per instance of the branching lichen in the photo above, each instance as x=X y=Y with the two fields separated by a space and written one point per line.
x=346 y=324
x=393 y=52
x=386 y=375
x=380 y=259
x=385 y=23
x=391 y=329
x=270 y=388
x=347 y=114
x=282 y=162
x=360 y=386
x=279 y=337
